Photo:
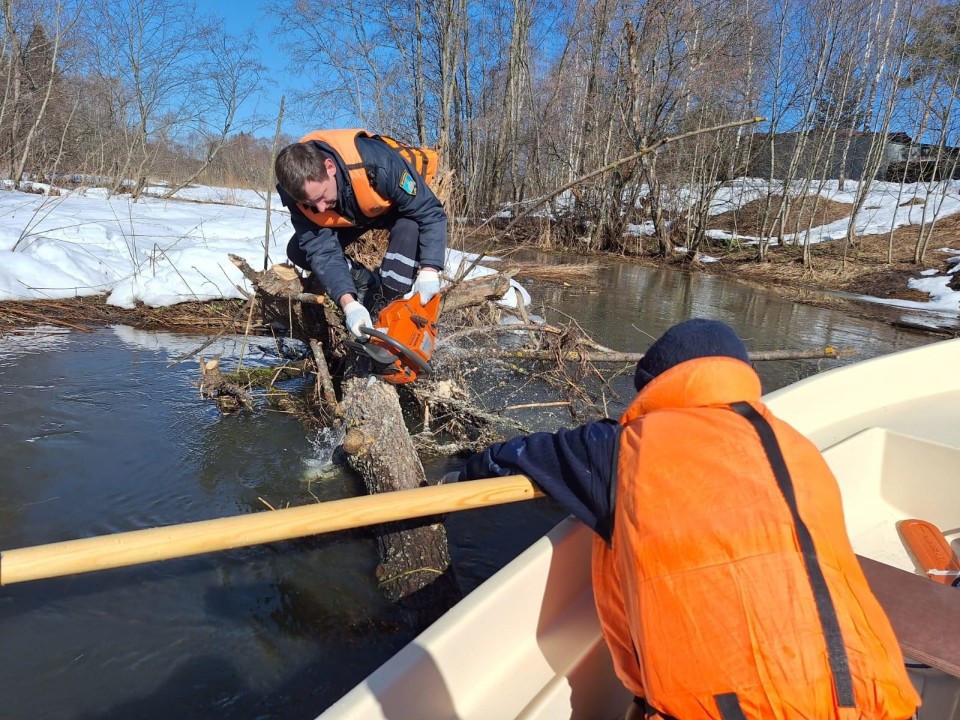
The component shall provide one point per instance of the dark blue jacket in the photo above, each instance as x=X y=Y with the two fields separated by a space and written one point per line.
x=324 y=246
x=577 y=468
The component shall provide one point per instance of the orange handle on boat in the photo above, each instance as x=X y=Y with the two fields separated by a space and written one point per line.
x=930 y=550
x=163 y=543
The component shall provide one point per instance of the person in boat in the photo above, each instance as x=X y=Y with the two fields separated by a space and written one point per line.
x=724 y=580
x=338 y=184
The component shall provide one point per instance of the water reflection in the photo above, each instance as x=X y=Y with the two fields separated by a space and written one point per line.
x=630 y=306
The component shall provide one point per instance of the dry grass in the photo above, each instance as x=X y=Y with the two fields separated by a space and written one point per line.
x=443 y=186
x=370 y=248
x=913 y=201
x=87 y=313
x=811 y=211
x=946 y=233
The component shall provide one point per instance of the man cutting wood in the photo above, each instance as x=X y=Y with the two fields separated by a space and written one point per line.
x=337 y=185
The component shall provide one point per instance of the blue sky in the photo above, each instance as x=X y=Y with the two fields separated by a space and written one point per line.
x=240 y=16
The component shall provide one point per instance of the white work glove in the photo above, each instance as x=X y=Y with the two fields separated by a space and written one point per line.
x=427 y=284
x=355 y=317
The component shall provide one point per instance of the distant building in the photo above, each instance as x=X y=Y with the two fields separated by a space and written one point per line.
x=828 y=154
x=927 y=162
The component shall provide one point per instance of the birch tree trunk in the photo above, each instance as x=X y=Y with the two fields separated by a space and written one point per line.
x=21 y=163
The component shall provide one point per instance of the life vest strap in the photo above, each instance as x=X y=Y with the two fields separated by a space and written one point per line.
x=830 y=624
x=728 y=705
x=370 y=203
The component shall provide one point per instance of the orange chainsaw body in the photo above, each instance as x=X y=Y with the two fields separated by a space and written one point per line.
x=402 y=342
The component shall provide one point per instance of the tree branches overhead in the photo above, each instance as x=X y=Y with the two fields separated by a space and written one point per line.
x=119 y=89
x=526 y=95
x=522 y=97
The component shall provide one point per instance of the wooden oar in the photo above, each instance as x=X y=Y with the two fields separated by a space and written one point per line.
x=164 y=543
x=930 y=549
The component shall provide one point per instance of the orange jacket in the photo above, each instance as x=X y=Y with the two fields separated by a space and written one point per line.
x=370 y=202
x=704 y=595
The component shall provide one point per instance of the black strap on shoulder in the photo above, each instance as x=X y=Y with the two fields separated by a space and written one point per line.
x=839 y=664
x=728 y=705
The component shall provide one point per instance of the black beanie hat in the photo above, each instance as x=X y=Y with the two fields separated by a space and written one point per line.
x=686 y=341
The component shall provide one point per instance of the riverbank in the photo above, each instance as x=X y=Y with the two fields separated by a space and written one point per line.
x=86 y=314
x=865 y=284
x=180 y=252
x=875 y=272
x=830 y=282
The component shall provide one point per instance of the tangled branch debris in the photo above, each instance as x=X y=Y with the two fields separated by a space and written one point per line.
x=447 y=411
x=228 y=395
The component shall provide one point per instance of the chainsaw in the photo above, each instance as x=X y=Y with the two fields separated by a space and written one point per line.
x=402 y=342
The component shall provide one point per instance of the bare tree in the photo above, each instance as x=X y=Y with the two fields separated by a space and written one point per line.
x=357 y=75
x=61 y=23
x=153 y=48
x=677 y=58
x=883 y=63
x=226 y=78
x=934 y=71
x=35 y=35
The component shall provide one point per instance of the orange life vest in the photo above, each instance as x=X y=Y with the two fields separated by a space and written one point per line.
x=704 y=595
x=370 y=202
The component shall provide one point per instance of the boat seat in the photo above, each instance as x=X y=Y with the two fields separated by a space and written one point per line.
x=925 y=615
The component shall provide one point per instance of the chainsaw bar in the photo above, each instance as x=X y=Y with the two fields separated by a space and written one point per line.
x=407 y=353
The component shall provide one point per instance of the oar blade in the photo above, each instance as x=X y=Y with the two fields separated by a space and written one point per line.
x=930 y=550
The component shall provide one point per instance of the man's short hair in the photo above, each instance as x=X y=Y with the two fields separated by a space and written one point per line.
x=296 y=164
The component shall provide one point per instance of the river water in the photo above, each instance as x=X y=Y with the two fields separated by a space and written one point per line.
x=99 y=433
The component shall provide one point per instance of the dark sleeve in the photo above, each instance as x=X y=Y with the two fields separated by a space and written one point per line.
x=423 y=207
x=575 y=467
x=323 y=250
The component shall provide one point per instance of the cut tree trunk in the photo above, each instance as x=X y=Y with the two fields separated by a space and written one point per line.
x=468 y=293
x=284 y=304
x=414 y=570
x=229 y=396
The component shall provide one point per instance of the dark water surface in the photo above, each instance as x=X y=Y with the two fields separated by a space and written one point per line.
x=99 y=435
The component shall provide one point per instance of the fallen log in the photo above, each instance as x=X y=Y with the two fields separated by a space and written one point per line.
x=279 y=281
x=625 y=357
x=414 y=570
x=473 y=292
x=324 y=381
x=285 y=304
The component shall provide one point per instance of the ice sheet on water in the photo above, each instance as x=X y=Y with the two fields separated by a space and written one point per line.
x=29 y=341
x=255 y=350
